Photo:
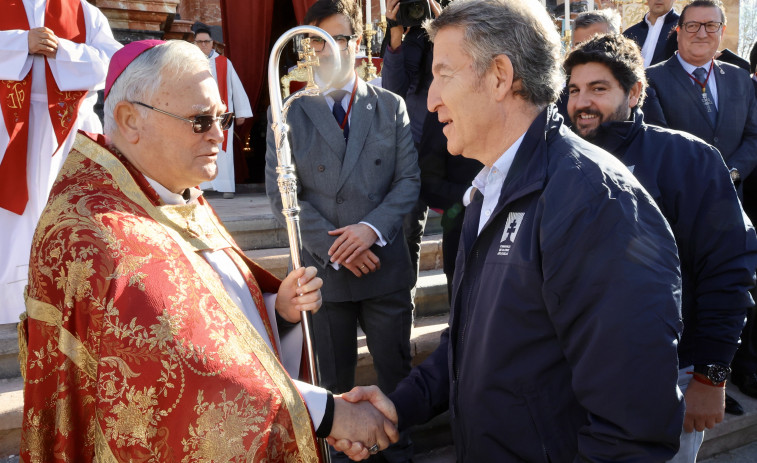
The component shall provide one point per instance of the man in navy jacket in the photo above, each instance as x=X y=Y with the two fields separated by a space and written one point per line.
x=655 y=34
x=566 y=297
x=690 y=182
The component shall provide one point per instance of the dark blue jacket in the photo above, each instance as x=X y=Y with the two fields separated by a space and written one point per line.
x=406 y=71
x=667 y=43
x=564 y=320
x=716 y=244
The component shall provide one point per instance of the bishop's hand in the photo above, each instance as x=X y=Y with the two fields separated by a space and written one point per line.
x=299 y=291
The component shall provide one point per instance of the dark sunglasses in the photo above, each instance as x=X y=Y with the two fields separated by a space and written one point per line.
x=200 y=123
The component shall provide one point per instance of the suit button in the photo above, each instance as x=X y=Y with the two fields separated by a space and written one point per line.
x=378 y=162
x=715 y=139
x=339 y=200
x=321 y=168
x=370 y=196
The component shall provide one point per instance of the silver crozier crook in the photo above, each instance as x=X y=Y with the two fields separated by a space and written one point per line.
x=287 y=179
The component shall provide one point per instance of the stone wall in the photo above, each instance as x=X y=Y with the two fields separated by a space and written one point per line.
x=205 y=11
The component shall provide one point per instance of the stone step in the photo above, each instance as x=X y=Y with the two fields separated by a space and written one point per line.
x=431 y=289
x=249 y=219
x=9 y=351
x=11 y=413
x=276 y=260
x=430 y=300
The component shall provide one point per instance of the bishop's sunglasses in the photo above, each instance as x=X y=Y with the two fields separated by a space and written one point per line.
x=200 y=123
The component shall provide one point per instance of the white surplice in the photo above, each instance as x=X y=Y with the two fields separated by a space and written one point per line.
x=77 y=66
x=240 y=105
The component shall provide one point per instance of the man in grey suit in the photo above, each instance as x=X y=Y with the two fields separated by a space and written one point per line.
x=358 y=176
x=708 y=98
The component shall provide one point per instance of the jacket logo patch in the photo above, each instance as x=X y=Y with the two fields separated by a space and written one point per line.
x=514 y=219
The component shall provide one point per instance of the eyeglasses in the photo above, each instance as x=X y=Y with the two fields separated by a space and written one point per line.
x=341 y=40
x=692 y=27
x=200 y=123
x=203 y=41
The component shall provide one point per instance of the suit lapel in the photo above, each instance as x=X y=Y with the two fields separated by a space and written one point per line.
x=323 y=120
x=693 y=91
x=361 y=120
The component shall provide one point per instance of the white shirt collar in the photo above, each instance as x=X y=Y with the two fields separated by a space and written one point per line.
x=498 y=171
x=660 y=20
x=346 y=87
x=690 y=68
x=170 y=197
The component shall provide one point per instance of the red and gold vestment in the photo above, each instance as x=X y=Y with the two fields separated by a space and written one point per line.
x=131 y=348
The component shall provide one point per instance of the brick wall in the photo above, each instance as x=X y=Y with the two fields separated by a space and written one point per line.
x=206 y=11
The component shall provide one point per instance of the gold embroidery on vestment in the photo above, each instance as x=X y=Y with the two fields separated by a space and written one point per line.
x=67 y=342
x=194 y=228
x=103 y=453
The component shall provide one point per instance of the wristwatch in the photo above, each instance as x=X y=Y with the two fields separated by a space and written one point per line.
x=735 y=175
x=714 y=372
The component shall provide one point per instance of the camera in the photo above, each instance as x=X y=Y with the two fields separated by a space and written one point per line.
x=413 y=12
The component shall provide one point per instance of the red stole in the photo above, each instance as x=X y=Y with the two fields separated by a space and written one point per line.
x=222 y=66
x=66 y=19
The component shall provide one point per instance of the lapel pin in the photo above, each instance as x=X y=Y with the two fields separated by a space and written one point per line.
x=370 y=106
x=721 y=71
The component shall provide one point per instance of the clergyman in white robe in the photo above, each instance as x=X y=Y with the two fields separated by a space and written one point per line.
x=239 y=104
x=77 y=66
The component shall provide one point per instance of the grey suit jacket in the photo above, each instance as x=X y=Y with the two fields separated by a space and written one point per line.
x=373 y=178
x=735 y=131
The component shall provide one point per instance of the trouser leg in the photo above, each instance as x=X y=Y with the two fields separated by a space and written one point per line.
x=335 y=335
x=386 y=322
x=413 y=225
x=745 y=360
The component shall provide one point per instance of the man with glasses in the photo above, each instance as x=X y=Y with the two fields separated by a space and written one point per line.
x=55 y=55
x=708 y=98
x=358 y=177
x=712 y=100
x=235 y=99
x=717 y=246
x=149 y=331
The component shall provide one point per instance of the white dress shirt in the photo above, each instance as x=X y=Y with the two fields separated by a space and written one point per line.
x=647 y=51
x=490 y=181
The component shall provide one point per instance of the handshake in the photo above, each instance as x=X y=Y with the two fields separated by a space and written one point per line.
x=365 y=422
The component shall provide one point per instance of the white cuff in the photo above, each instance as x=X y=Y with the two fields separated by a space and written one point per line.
x=315 y=399
x=380 y=241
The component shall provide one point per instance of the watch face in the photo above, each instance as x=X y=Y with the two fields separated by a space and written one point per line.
x=717 y=373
